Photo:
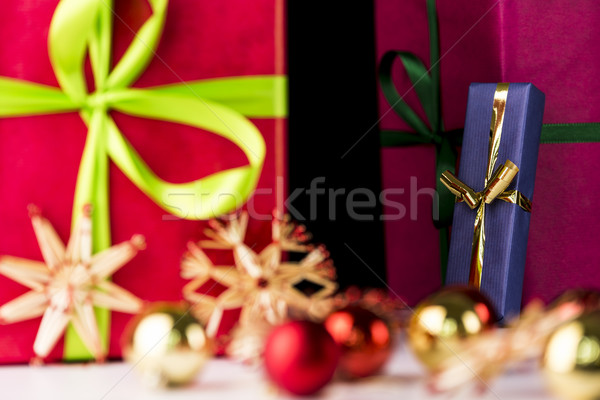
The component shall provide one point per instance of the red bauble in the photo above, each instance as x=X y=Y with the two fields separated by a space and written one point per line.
x=301 y=357
x=365 y=339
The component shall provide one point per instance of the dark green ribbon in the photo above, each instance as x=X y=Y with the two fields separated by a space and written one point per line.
x=571 y=133
x=427 y=86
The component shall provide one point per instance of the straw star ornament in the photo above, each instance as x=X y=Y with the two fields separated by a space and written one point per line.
x=262 y=284
x=68 y=284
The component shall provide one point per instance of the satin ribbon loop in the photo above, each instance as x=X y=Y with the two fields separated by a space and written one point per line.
x=421 y=82
x=426 y=85
x=462 y=191
x=501 y=179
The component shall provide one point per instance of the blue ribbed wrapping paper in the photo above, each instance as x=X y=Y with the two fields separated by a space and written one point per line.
x=506 y=225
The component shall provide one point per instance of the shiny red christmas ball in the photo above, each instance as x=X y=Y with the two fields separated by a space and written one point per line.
x=365 y=340
x=301 y=357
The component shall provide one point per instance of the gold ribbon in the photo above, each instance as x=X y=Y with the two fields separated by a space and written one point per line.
x=495 y=184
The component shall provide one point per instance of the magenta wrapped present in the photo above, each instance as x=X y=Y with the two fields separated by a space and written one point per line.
x=491 y=41
x=564 y=223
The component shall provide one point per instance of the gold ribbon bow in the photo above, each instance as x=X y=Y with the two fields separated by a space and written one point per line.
x=495 y=184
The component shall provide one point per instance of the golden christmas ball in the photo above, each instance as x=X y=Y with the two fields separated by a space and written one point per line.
x=571 y=360
x=166 y=345
x=444 y=320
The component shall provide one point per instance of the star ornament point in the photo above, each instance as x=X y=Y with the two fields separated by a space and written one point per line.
x=68 y=284
x=263 y=285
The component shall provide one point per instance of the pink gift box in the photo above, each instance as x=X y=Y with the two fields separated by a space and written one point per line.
x=554 y=47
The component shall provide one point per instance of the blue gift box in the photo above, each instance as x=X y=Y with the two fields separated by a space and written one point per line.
x=505 y=224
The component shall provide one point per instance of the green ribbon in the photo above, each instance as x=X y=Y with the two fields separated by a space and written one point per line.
x=427 y=86
x=571 y=133
x=221 y=106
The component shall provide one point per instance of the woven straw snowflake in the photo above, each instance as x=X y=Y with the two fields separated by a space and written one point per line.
x=68 y=284
x=263 y=285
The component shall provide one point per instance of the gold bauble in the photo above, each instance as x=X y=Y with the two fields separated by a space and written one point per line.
x=444 y=320
x=166 y=345
x=571 y=360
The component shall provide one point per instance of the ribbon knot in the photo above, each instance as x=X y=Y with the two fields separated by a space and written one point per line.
x=495 y=188
x=97 y=100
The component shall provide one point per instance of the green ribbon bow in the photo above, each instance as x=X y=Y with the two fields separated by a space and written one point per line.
x=427 y=86
x=221 y=106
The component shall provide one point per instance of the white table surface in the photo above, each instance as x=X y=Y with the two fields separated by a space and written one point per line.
x=222 y=379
